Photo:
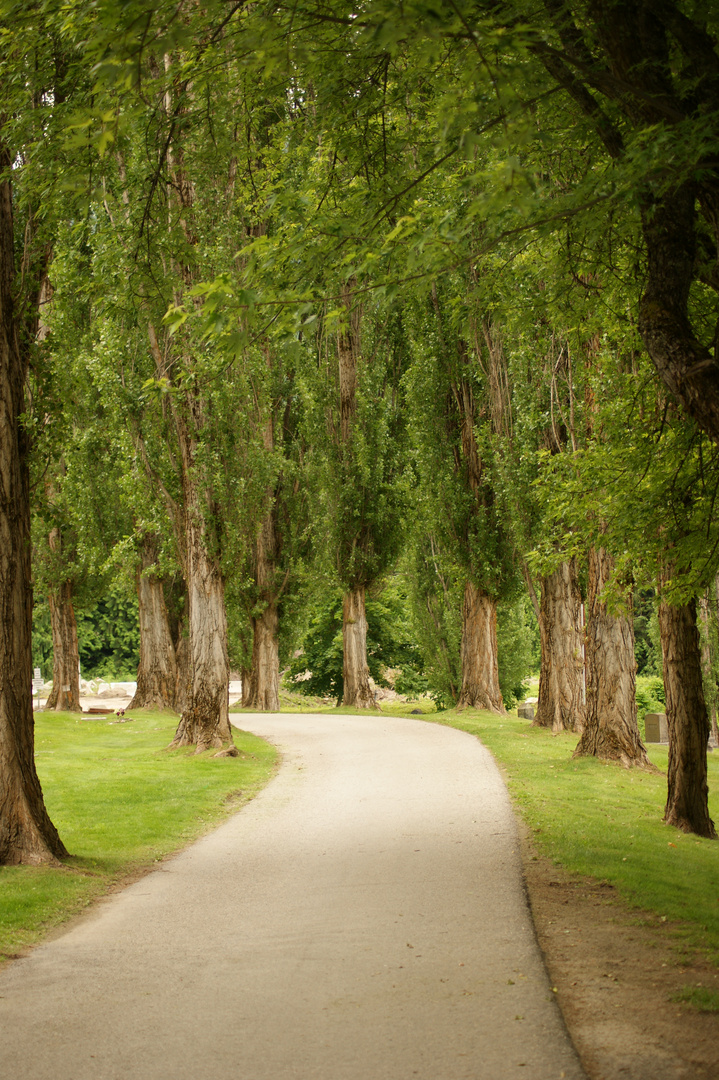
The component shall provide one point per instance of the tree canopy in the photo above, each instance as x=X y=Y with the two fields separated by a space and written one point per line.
x=297 y=296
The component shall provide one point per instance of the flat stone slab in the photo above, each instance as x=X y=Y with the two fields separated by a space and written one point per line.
x=364 y=918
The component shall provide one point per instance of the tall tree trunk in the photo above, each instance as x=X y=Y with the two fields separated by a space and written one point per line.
x=265 y=627
x=357 y=690
x=611 y=730
x=265 y=679
x=561 y=676
x=205 y=722
x=247 y=685
x=687 y=720
x=480 y=673
x=65 y=693
x=709 y=639
x=26 y=833
x=183 y=663
x=175 y=596
x=157 y=670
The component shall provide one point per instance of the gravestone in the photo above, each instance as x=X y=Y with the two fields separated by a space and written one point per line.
x=655 y=727
x=525 y=712
x=37 y=684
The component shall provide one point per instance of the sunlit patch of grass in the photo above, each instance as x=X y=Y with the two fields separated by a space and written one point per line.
x=120 y=802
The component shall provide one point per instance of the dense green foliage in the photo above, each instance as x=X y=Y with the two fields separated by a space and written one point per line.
x=108 y=638
x=405 y=646
x=509 y=213
x=317 y=670
x=498 y=220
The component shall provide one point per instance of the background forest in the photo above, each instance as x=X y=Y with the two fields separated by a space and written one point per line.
x=383 y=331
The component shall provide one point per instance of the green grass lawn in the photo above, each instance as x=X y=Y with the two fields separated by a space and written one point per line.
x=120 y=803
x=601 y=820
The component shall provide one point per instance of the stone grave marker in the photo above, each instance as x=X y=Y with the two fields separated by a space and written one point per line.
x=37 y=684
x=655 y=727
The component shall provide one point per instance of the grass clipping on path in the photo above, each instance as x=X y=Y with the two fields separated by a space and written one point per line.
x=120 y=802
x=600 y=820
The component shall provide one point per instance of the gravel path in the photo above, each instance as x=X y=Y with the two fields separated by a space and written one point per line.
x=362 y=919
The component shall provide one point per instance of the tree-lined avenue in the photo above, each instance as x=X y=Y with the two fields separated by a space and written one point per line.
x=364 y=917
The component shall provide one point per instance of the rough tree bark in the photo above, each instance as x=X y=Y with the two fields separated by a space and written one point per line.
x=355 y=672
x=205 y=721
x=265 y=680
x=610 y=730
x=247 y=687
x=707 y=616
x=687 y=720
x=561 y=677
x=480 y=673
x=157 y=670
x=65 y=693
x=183 y=662
x=27 y=836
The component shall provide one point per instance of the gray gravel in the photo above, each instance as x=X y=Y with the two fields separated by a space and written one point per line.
x=364 y=918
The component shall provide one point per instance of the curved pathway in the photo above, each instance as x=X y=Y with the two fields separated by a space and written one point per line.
x=364 y=918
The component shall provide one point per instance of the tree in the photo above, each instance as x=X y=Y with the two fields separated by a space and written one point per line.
x=455 y=453
x=157 y=673
x=561 y=700
x=318 y=669
x=687 y=720
x=26 y=833
x=611 y=730
x=655 y=68
x=276 y=535
x=355 y=438
x=183 y=430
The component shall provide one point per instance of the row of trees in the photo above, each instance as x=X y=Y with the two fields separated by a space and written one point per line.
x=292 y=289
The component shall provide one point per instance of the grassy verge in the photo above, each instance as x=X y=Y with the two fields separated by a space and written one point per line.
x=599 y=820
x=120 y=803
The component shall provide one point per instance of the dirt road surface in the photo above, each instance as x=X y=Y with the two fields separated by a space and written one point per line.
x=364 y=918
